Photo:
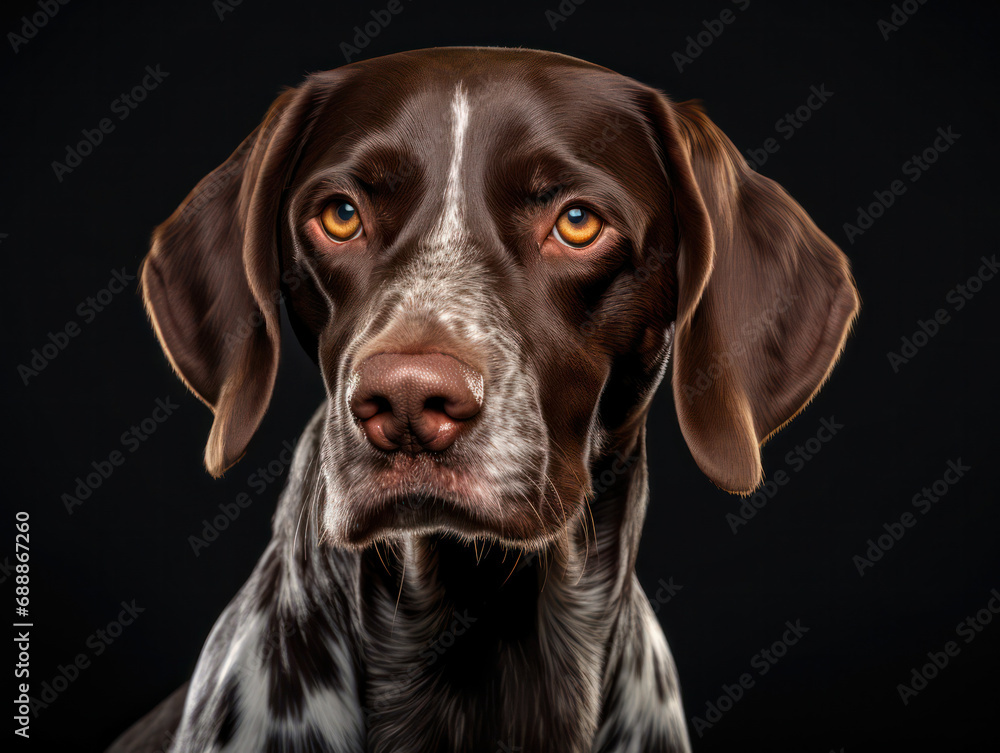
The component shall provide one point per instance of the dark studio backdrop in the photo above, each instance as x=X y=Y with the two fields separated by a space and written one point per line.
x=879 y=118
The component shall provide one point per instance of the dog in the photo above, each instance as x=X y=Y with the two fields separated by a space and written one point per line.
x=492 y=255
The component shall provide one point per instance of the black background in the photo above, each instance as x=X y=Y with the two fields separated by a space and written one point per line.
x=837 y=688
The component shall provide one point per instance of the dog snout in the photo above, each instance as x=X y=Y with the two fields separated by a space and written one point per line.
x=415 y=403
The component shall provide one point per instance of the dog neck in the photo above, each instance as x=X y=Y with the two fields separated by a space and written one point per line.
x=502 y=649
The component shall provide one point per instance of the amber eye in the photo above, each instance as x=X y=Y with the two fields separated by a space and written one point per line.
x=341 y=220
x=577 y=227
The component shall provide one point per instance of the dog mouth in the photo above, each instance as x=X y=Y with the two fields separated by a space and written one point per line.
x=422 y=494
x=425 y=474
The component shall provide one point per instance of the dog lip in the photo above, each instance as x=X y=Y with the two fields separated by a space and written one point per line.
x=419 y=493
x=402 y=514
x=423 y=473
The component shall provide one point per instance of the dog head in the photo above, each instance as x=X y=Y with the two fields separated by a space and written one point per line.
x=491 y=254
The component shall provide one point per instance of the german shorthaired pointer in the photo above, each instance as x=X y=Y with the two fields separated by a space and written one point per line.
x=491 y=255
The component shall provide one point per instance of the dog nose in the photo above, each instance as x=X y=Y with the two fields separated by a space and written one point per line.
x=415 y=403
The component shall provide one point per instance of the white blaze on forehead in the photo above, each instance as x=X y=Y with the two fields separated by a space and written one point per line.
x=444 y=282
x=449 y=227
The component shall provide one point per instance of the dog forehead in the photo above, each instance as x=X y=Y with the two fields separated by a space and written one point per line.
x=409 y=95
x=406 y=71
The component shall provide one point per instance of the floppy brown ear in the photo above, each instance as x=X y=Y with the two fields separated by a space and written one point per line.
x=765 y=300
x=210 y=281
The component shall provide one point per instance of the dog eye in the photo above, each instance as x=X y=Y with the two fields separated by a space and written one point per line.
x=341 y=220
x=577 y=227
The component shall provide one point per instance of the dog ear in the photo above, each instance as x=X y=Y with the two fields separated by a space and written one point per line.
x=210 y=281
x=765 y=300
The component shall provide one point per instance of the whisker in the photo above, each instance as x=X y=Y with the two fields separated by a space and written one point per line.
x=520 y=552
x=380 y=558
x=402 y=579
x=586 y=551
x=532 y=506
x=562 y=507
x=593 y=523
x=309 y=503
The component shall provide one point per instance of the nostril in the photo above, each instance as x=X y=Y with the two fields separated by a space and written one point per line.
x=436 y=404
x=461 y=407
x=380 y=405
x=366 y=407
